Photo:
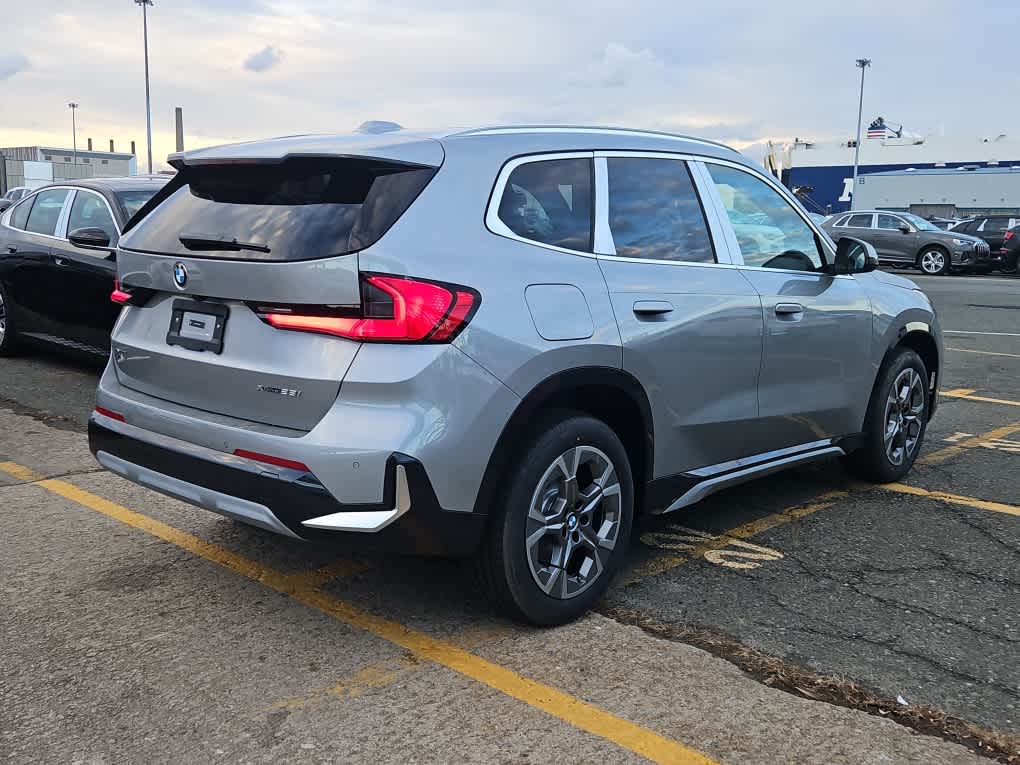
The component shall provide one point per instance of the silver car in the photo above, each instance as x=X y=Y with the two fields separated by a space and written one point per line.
x=909 y=240
x=501 y=343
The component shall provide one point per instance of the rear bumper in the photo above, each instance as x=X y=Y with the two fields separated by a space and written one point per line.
x=289 y=502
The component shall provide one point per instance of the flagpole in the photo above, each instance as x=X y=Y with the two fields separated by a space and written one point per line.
x=862 y=64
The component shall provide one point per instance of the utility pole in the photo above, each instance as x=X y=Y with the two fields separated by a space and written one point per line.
x=74 y=132
x=862 y=64
x=148 y=108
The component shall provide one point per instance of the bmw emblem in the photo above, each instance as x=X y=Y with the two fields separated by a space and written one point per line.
x=180 y=275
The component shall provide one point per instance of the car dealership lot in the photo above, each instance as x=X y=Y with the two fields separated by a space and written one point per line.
x=138 y=628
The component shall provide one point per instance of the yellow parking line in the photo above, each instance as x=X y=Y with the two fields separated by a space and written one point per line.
x=968 y=394
x=663 y=563
x=956 y=499
x=563 y=706
x=951 y=451
x=984 y=353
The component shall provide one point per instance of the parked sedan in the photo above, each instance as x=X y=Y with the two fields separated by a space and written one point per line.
x=58 y=262
x=993 y=230
x=905 y=239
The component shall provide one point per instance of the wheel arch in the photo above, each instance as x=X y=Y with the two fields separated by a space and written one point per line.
x=918 y=337
x=606 y=393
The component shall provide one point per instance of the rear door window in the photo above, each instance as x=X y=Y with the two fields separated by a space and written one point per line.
x=654 y=211
x=300 y=209
x=862 y=220
x=46 y=211
x=550 y=201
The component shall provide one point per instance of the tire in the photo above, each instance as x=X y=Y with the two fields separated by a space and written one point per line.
x=8 y=336
x=883 y=460
x=934 y=261
x=593 y=536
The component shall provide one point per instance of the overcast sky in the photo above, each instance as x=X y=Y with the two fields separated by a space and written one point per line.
x=732 y=70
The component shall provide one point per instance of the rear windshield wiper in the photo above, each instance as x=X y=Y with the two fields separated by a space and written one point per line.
x=209 y=243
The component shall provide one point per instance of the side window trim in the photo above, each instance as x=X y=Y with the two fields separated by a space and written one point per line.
x=604 y=244
x=826 y=252
x=496 y=225
x=65 y=215
x=727 y=250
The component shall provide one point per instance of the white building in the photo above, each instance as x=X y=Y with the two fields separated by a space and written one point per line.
x=944 y=192
x=36 y=166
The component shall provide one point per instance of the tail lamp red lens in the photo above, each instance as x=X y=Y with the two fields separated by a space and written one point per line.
x=1008 y=235
x=395 y=309
x=119 y=296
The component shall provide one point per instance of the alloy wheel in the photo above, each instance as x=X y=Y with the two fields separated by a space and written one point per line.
x=904 y=408
x=933 y=261
x=3 y=319
x=573 y=522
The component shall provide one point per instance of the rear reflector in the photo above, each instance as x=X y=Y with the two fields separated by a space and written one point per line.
x=271 y=460
x=399 y=309
x=110 y=413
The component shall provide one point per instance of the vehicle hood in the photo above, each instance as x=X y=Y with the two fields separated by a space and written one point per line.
x=949 y=235
x=894 y=279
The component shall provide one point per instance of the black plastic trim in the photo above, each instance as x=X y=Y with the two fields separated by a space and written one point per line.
x=426 y=529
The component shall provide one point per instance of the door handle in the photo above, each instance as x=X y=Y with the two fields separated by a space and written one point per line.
x=652 y=307
x=788 y=309
x=59 y=261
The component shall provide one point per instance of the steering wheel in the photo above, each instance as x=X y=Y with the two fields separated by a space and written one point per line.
x=793 y=260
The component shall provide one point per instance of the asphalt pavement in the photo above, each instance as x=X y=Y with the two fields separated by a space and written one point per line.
x=800 y=618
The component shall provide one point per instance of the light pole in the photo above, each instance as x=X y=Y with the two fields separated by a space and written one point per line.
x=148 y=109
x=862 y=64
x=74 y=132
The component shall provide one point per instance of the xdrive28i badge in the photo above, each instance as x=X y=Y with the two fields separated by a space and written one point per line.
x=180 y=275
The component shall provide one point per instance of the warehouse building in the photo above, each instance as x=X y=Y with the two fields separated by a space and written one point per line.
x=942 y=192
x=35 y=166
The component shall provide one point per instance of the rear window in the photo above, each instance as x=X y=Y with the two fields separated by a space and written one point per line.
x=860 y=221
x=301 y=209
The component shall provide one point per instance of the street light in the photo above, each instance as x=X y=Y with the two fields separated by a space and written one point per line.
x=148 y=109
x=74 y=131
x=862 y=64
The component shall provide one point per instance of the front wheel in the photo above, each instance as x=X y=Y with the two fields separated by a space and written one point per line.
x=896 y=421
x=933 y=261
x=563 y=526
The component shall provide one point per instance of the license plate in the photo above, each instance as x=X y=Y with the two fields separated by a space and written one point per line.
x=197 y=326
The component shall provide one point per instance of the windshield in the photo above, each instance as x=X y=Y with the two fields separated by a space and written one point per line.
x=919 y=223
x=133 y=200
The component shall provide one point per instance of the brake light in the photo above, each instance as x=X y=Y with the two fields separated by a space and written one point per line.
x=269 y=459
x=1008 y=235
x=110 y=413
x=119 y=296
x=394 y=309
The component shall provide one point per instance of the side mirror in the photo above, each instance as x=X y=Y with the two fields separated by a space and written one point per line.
x=854 y=256
x=90 y=238
x=905 y=228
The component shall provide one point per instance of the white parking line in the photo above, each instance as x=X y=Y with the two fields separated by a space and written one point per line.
x=972 y=332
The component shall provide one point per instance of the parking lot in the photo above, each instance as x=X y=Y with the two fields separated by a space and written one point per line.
x=799 y=618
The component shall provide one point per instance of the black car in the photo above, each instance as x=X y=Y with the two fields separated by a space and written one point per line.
x=1010 y=251
x=58 y=262
x=992 y=228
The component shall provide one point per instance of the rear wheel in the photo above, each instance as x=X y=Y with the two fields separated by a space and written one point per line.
x=563 y=526
x=8 y=338
x=896 y=421
x=933 y=261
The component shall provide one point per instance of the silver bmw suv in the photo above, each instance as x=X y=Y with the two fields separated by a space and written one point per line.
x=501 y=343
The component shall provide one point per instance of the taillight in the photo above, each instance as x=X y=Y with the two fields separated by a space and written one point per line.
x=119 y=296
x=395 y=309
x=269 y=459
x=110 y=413
x=1008 y=235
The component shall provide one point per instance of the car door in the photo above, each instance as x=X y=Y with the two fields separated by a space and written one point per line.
x=892 y=242
x=690 y=324
x=30 y=239
x=816 y=358
x=83 y=276
x=858 y=225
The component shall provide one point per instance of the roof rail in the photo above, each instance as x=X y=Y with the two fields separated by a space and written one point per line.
x=511 y=129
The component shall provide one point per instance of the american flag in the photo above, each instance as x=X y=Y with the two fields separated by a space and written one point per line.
x=878 y=129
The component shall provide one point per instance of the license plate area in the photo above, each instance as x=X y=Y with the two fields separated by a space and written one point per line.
x=197 y=326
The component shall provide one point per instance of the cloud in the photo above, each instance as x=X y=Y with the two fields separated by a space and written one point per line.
x=264 y=59
x=619 y=66
x=11 y=64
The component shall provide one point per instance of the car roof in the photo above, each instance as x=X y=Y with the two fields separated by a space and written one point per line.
x=427 y=147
